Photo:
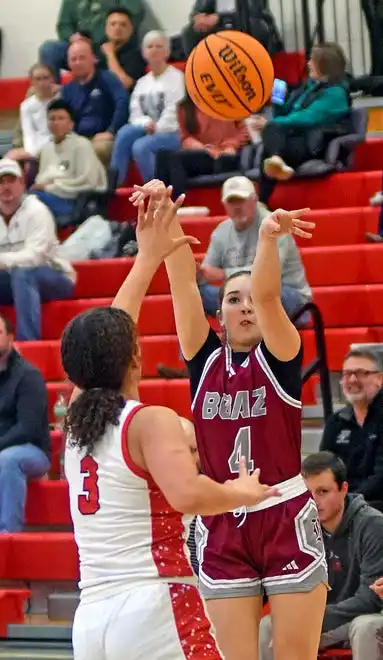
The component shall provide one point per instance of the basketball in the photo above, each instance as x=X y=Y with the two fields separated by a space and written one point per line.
x=229 y=75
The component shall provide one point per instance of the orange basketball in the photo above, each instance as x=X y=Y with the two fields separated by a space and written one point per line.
x=229 y=75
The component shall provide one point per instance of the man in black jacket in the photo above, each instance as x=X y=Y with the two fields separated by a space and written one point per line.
x=207 y=18
x=355 y=433
x=24 y=430
x=353 y=539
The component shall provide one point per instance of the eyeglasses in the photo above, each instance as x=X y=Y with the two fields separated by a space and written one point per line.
x=358 y=373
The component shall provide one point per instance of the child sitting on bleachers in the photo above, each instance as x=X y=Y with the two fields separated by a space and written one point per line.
x=32 y=132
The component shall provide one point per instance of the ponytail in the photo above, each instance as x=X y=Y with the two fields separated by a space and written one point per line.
x=89 y=415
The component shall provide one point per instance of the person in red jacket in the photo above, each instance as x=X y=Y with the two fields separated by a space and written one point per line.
x=209 y=146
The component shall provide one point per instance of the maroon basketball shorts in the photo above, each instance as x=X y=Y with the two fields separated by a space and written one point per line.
x=275 y=547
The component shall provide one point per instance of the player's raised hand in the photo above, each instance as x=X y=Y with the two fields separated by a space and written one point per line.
x=155 y=188
x=249 y=489
x=287 y=222
x=154 y=241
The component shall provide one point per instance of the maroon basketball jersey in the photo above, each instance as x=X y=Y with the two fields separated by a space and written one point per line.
x=242 y=410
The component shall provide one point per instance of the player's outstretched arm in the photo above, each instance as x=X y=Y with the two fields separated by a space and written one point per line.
x=279 y=334
x=192 y=325
x=157 y=437
x=154 y=244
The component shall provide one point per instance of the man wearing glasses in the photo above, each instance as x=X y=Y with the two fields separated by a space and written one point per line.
x=355 y=433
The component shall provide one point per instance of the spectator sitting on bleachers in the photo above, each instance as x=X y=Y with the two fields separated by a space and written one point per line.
x=209 y=146
x=121 y=53
x=30 y=271
x=24 y=430
x=33 y=127
x=305 y=123
x=233 y=245
x=205 y=18
x=79 y=19
x=353 y=540
x=98 y=100
x=68 y=164
x=355 y=433
x=153 y=123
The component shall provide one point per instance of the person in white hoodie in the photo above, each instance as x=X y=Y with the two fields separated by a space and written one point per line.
x=30 y=270
x=153 y=123
x=68 y=163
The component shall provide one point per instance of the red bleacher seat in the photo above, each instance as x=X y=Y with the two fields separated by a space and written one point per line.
x=335 y=654
x=48 y=503
x=352 y=264
x=41 y=556
x=368 y=155
x=38 y=556
x=46 y=355
x=344 y=226
x=157 y=311
x=12 y=604
x=349 y=189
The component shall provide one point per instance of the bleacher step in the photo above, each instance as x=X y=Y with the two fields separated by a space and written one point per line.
x=311 y=438
x=62 y=606
x=40 y=632
x=11 y=650
x=315 y=412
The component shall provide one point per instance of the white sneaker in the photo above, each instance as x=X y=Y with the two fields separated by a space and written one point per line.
x=276 y=168
x=377 y=199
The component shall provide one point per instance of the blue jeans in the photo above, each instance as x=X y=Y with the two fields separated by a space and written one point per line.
x=17 y=464
x=26 y=289
x=54 y=54
x=58 y=205
x=291 y=300
x=132 y=142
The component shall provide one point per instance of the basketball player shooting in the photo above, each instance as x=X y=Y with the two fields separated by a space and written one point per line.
x=246 y=394
x=132 y=478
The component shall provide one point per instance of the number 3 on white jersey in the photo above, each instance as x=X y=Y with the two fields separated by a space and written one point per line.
x=242 y=449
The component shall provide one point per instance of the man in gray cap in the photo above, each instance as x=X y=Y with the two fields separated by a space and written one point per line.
x=30 y=270
x=233 y=245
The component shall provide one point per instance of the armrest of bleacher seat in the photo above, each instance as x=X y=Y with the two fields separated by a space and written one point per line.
x=341 y=149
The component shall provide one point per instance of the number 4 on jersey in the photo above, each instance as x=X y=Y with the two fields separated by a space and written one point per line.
x=242 y=449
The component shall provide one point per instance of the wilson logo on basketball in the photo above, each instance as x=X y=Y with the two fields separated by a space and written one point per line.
x=213 y=90
x=238 y=70
x=229 y=75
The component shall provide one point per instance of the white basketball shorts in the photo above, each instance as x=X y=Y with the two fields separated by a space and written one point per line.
x=156 y=622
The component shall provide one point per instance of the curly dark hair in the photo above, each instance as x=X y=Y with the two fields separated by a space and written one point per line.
x=97 y=349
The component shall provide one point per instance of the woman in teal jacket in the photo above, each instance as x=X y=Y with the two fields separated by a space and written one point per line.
x=303 y=125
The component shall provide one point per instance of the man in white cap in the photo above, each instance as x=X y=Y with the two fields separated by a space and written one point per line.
x=30 y=270
x=233 y=245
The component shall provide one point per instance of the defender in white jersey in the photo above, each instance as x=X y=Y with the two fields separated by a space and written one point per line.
x=133 y=482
